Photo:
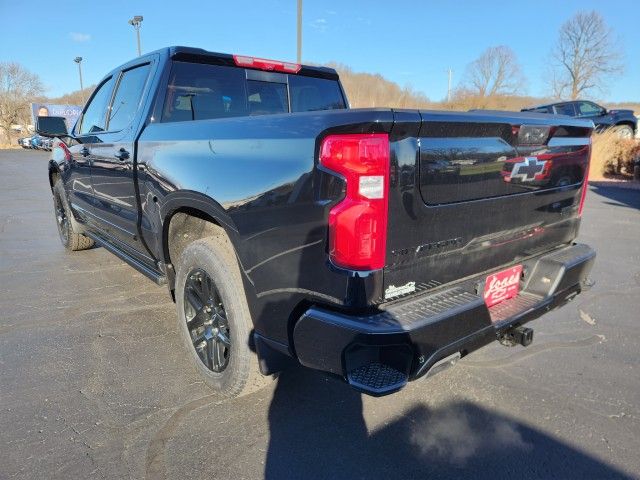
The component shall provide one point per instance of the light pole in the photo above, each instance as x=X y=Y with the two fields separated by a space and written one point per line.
x=136 y=22
x=78 y=60
x=299 y=56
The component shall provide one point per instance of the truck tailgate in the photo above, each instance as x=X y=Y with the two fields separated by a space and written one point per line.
x=476 y=191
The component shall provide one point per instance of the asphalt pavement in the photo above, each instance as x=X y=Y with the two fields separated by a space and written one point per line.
x=94 y=384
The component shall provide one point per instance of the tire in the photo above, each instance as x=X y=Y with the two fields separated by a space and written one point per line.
x=70 y=239
x=624 y=131
x=208 y=274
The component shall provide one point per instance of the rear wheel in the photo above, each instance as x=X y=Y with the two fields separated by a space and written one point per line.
x=68 y=236
x=214 y=319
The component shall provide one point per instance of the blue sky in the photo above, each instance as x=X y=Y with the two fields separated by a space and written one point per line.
x=409 y=42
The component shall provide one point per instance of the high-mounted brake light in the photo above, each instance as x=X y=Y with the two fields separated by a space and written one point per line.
x=532 y=134
x=358 y=224
x=264 y=64
x=585 y=185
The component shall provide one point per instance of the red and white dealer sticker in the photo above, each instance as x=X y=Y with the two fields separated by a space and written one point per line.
x=502 y=285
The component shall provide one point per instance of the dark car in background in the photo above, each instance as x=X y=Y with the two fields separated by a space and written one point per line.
x=624 y=121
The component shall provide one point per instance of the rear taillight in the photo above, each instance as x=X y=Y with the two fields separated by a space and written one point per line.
x=585 y=185
x=264 y=64
x=358 y=224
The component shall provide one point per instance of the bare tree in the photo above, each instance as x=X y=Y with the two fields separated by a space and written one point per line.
x=18 y=87
x=585 y=56
x=495 y=72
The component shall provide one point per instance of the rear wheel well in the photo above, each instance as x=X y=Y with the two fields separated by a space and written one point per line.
x=187 y=225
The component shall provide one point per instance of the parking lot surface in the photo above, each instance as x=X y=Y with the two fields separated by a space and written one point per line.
x=94 y=384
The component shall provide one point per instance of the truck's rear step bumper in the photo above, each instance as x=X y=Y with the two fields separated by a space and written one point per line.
x=379 y=353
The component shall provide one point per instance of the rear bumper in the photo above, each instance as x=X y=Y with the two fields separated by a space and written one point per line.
x=379 y=353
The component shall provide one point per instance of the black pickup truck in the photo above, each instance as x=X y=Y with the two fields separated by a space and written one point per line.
x=378 y=245
x=624 y=122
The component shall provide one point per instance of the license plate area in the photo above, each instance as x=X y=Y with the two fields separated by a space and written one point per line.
x=503 y=285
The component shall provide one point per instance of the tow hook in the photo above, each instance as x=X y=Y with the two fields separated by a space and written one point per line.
x=516 y=336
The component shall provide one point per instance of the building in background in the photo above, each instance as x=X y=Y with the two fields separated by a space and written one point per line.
x=71 y=113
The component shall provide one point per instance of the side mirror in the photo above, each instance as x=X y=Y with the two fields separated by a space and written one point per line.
x=51 y=127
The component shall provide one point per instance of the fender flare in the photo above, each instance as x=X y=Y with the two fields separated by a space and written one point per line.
x=187 y=199
x=628 y=123
x=53 y=168
x=192 y=200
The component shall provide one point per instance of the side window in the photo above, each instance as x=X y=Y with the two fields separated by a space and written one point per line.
x=267 y=97
x=541 y=110
x=588 y=109
x=200 y=91
x=94 y=117
x=566 y=109
x=127 y=98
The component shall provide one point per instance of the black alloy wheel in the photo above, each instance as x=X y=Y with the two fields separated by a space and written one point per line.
x=61 y=219
x=207 y=321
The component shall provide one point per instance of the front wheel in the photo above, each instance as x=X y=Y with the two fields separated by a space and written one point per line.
x=71 y=239
x=624 y=131
x=214 y=319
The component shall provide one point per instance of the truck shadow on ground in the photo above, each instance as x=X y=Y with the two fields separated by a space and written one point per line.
x=317 y=430
x=626 y=197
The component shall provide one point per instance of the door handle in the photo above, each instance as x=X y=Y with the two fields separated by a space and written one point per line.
x=84 y=152
x=121 y=155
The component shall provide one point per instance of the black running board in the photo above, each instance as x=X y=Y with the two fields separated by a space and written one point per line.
x=154 y=275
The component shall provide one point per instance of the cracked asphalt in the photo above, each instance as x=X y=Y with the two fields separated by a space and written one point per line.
x=93 y=383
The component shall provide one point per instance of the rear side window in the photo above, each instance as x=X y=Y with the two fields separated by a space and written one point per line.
x=566 y=109
x=198 y=92
x=127 y=98
x=95 y=115
x=201 y=91
x=540 y=110
x=309 y=94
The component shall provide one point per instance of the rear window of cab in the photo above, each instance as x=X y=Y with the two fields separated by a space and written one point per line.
x=201 y=91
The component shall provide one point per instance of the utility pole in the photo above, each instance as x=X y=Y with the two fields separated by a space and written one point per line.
x=136 y=22
x=299 y=56
x=449 y=86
